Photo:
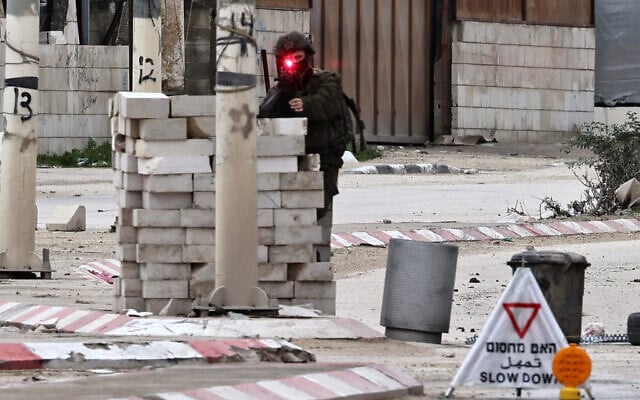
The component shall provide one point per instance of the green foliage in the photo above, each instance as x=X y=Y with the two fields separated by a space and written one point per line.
x=616 y=159
x=93 y=155
x=369 y=153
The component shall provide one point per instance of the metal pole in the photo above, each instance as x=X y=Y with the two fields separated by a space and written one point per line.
x=146 y=61
x=85 y=20
x=236 y=160
x=20 y=107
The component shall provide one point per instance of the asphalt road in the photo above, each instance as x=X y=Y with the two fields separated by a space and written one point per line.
x=610 y=292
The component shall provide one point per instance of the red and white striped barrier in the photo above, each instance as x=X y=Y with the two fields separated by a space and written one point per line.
x=514 y=231
x=41 y=355
x=71 y=320
x=365 y=382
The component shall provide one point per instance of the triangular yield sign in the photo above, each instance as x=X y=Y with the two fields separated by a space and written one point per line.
x=521 y=330
x=518 y=342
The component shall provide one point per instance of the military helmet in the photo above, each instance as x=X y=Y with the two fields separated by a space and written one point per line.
x=293 y=41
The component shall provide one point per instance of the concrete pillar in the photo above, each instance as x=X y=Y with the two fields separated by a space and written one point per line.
x=71 y=32
x=20 y=107
x=146 y=60
x=173 y=60
x=236 y=159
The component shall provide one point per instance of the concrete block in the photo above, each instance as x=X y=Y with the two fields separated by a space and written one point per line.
x=266 y=236
x=131 y=181
x=163 y=129
x=68 y=219
x=166 y=201
x=278 y=290
x=203 y=280
x=172 y=307
x=201 y=127
x=303 y=199
x=128 y=127
x=128 y=287
x=294 y=253
x=315 y=290
x=193 y=106
x=203 y=271
x=174 y=183
x=129 y=199
x=128 y=163
x=265 y=218
x=126 y=234
x=161 y=235
x=175 y=148
x=159 y=253
x=173 y=165
x=297 y=234
x=143 y=105
x=192 y=218
x=268 y=181
x=129 y=270
x=165 y=289
x=198 y=253
x=304 y=180
x=128 y=303
x=165 y=271
x=298 y=216
x=156 y=218
x=204 y=200
x=126 y=252
x=125 y=217
x=318 y=271
x=276 y=146
x=263 y=254
x=272 y=272
x=277 y=164
x=269 y=200
x=204 y=182
x=282 y=126
x=326 y=306
x=130 y=145
x=200 y=236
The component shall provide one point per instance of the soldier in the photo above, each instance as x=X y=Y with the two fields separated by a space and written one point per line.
x=303 y=91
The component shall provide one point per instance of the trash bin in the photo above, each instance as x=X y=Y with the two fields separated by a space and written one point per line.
x=561 y=279
x=418 y=290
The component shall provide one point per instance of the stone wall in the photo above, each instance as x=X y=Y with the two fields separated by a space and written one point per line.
x=75 y=85
x=163 y=162
x=521 y=83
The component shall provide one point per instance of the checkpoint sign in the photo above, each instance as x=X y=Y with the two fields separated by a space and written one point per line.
x=518 y=342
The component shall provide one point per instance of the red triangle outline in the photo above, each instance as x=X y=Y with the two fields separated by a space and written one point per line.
x=508 y=307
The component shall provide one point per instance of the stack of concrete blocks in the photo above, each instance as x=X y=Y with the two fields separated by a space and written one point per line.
x=164 y=173
x=521 y=83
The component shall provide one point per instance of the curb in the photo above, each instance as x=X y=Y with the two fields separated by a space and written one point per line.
x=105 y=270
x=365 y=382
x=60 y=355
x=505 y=232
x=72 y=320
x=403 y=169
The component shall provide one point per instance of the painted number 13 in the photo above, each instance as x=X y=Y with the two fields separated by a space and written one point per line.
x=26 y=103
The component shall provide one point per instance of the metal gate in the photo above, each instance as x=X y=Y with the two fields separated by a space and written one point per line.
x=382 y=49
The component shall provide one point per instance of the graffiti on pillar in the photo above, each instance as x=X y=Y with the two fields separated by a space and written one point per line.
x=22 y=98
x=142 y=77
x=237 y=33
x=24 y=104
x=242 y=120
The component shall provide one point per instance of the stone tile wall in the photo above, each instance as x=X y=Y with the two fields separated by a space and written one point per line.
x=521 y=83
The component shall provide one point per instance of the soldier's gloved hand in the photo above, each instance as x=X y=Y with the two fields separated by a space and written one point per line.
x=296 y=104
